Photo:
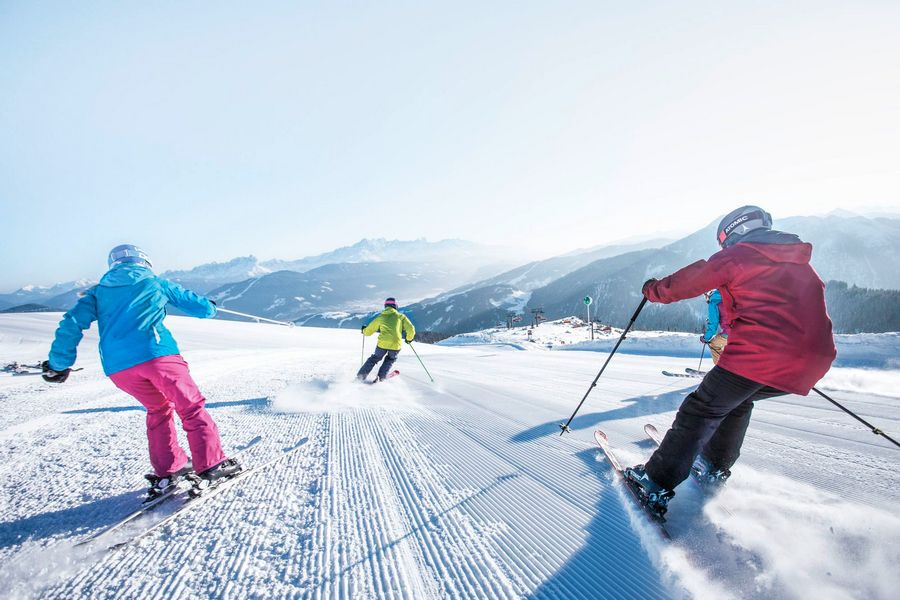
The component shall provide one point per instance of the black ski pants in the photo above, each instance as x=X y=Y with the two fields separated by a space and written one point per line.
x=389 y=357
x=711 y=421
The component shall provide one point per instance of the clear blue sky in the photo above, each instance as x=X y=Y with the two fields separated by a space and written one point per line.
x=208 y=130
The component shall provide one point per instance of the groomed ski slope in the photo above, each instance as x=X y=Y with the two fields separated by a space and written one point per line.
x=458 y=489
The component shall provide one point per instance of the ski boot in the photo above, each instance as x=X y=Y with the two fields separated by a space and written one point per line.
x=213 y=476
x=162 y=485
x=707 y=474
x=652 y=495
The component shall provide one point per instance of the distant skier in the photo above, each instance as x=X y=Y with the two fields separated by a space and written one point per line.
x=391 y=325
x=716 y=335
x=780 y=342
x=141 y=358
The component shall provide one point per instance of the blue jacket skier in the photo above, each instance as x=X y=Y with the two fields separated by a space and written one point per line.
x=141 y=358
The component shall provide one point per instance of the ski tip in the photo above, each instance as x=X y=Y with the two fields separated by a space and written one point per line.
x=650 y=428
x=600 y=436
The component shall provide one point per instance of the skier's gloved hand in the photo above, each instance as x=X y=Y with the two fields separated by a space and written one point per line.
x=52 y=376
x=362 y=329
x=703 y=340
x=647 y=283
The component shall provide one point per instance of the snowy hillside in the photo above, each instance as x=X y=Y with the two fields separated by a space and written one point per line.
x=879 y=350
x=458 y=489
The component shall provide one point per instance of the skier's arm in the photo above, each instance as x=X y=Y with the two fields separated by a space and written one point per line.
x=409 y=328
x=691 y=281
x=63 y=351
x=191 y=303
x=372 y=327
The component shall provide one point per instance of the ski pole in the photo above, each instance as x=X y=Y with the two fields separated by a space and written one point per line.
x=362 y=356
x=702 y=352
x=874 y=429
x=254 y=317
x=565 y=427
x=421 y=363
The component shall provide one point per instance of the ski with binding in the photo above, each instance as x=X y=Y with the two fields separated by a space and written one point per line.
x=654 y=434
x=211 y=492
x=390 y=375
x=603 y=441
x=146 y=506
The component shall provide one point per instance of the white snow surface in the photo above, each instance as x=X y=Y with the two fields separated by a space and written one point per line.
x=874 y=350
x=458 y=489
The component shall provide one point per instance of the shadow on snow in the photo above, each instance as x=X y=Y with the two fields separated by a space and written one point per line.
x=638 y=407
x=90 y=515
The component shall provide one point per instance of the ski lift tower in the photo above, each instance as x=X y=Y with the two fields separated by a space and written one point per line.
x=537 y=315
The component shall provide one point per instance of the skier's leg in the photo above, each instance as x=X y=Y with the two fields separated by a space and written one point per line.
x=724 y=447
x=370 y=363
x=171 y=376
x=166 y=456
x=389 y=360
x=697 y=419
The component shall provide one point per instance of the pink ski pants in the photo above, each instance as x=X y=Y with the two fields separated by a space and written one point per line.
x=161 y=385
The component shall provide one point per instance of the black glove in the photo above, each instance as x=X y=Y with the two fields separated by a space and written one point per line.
x=407 y=341
x=647 y=283
x=213 y=302
x=52 y=376
x=703 y=340
x=362 y=329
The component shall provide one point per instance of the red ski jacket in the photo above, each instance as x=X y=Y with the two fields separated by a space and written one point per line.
x=775 y=304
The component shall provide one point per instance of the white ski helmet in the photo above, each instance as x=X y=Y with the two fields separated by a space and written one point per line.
x=128 y=253
x=740 y=222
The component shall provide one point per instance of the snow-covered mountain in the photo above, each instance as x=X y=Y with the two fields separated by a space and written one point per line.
x=847 y=247
x=476 y=256
x=60 y=295
x=212 y=275
x=333 y=288
x=466 y=261
x=485 y=302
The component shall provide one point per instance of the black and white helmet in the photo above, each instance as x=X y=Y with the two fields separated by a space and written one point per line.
x=740 y=222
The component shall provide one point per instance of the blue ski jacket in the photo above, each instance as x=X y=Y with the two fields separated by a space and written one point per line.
x=712 y=315
x=129 y=305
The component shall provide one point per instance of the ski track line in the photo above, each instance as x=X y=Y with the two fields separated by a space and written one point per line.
x=377 y=515
x=427 y=503
x=519 y=458
x=570 y=516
